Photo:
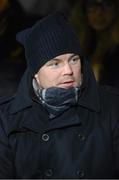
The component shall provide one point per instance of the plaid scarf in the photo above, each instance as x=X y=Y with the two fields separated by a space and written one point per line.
x=57 y=100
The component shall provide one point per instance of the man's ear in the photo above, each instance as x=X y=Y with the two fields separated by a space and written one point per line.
x=37 y=79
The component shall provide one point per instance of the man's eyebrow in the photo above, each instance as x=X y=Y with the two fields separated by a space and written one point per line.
x=73 y=55
x=55 y=59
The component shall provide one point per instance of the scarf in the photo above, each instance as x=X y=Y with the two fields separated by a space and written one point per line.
x=57 y=100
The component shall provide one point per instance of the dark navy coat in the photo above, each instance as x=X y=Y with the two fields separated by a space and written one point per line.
x=83 y=142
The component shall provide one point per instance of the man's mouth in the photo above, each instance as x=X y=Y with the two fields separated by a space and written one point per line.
x=67 y=84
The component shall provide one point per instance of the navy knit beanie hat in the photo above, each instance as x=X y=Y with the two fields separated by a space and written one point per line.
x=48 y=38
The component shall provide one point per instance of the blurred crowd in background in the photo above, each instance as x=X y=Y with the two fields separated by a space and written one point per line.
x=96 y=23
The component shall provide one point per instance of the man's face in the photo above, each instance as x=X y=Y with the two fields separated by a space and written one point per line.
x=63 y=71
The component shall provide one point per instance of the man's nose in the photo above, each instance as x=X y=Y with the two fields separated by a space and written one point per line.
x=68 y=69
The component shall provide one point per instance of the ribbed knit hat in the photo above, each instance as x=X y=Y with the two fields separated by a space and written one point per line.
x=48 y=38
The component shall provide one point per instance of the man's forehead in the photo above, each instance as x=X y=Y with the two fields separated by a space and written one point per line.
x=67 y=55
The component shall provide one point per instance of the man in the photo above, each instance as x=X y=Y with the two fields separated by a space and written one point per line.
x=60 y=124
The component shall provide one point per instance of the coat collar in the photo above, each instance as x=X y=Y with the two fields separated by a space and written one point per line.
x=90 y=97
x=22 y=98
x=39 y=122
x=43 y=123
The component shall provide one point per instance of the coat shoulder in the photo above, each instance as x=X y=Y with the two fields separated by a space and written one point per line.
x=110 y=97
x=6 y=99
x=109 y=92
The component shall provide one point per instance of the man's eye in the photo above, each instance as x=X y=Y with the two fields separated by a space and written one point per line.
x=54 y=64
x=74 y=60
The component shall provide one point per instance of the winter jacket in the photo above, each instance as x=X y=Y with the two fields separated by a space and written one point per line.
x=83 y=142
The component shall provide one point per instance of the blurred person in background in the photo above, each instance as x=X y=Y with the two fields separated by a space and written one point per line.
x=42 y=8
x=97 y=23
x=12 y=62
x=11 y=16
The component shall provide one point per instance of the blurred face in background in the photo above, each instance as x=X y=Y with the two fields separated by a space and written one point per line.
x=3 y=5
x=100 y=13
